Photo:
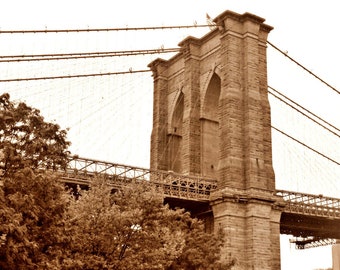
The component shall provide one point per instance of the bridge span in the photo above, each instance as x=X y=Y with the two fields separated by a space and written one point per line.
x=312 y=218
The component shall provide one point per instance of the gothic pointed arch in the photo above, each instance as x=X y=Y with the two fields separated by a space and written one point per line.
x=175 y=135
x=210 y=138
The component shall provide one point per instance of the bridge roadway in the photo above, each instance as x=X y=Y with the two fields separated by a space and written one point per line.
x=304 y=215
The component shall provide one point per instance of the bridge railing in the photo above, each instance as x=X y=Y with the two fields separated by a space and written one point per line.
x=309 y=204
x=82 y=171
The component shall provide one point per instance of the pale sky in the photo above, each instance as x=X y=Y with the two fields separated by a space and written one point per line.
x=110 y=117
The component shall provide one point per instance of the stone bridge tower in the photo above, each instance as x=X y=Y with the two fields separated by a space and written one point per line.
x=212 y=118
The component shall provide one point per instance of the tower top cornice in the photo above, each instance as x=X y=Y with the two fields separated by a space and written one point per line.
x=220 y=19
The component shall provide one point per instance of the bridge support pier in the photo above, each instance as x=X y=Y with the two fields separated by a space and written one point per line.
x=251 y=225
x=336 y=257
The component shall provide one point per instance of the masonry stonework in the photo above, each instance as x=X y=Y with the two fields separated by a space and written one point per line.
x=212 y=119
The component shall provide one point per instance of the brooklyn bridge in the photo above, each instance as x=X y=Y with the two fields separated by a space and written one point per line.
x=211 y=143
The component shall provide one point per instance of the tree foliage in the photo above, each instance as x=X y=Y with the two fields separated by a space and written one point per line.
x=31 y=219
x=32 y=203
x=42 y=227
x=133 y=229
x=26 y=140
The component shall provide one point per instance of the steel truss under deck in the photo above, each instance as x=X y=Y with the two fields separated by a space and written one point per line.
x=311 y=242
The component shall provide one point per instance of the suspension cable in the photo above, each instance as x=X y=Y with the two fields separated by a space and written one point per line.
x=66 y=56
x=304 y=114
x=303 y=67
x=305 y=145
x=74 y=76
x=45 y=31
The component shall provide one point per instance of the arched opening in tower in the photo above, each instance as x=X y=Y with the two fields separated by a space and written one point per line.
x=210 y=137
x=175 y=136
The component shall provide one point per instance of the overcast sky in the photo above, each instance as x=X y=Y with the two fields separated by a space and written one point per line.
x=110 y=117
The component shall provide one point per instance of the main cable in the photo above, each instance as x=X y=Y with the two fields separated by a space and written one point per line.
x=305 y=145
x=74 y=76
x=304 y=114
x=45 y=31
x=303 y=67
x=67 y=56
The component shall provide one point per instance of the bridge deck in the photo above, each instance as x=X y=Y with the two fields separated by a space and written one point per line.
x=81 y=171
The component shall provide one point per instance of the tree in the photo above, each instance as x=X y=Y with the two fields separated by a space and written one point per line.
x=133 y=229
x=32 y=202
x=32 y=210
x=26 y=140
x=43 y=227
